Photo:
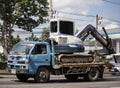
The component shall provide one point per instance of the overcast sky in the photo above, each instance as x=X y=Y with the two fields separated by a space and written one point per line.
x=104 y=8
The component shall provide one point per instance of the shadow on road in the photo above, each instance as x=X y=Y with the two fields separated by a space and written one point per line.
x=67 y=81
x=1 y=77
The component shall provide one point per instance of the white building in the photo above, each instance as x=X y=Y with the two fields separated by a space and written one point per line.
x=115 y=36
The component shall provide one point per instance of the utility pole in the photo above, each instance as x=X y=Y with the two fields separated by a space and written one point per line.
x=97 y=18
x=50 y=10
x=97 y=23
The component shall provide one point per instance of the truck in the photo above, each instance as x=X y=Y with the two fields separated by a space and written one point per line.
x=26 y=59
x=115 y=60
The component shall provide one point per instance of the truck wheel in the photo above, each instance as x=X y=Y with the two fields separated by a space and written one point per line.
x=71 y=77
x=42 y=75
x=93 y=74
x=22 y=77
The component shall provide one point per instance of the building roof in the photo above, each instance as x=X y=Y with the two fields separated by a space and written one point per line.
x=115 y=36
x=113 y=33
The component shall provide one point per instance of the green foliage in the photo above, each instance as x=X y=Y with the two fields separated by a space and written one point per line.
x=30 y=13
x=32 y=38
x=13 y=41
x=2 y=57
x=3 y=65
x=27 y=14
x=45 y=34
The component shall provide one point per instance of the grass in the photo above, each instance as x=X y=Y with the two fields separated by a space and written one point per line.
x=3 y=71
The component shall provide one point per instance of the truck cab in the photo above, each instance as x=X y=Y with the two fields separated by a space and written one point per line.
x=25 y=58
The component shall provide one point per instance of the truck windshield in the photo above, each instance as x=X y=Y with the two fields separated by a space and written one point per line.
x=21 y=48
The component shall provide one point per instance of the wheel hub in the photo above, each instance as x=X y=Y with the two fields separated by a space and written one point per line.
x=42 y=75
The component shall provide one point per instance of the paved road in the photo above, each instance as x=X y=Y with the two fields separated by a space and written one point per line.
x=10 y=81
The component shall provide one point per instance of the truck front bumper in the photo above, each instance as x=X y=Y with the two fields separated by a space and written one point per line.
x=18 y=69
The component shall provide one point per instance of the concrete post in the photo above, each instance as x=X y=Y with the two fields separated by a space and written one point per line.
x=117 y=46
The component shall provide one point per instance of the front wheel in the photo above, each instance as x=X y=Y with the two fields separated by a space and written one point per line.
x=42 y=75
x=92 y=75
x=22 y=77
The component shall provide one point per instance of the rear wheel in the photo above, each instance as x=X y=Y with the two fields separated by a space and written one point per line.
x=92 y=75
x=71 y=77
x=42 y=75
x=22 y=77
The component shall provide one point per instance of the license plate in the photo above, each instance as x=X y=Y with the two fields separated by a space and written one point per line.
x=14 y=62
x=13 y=71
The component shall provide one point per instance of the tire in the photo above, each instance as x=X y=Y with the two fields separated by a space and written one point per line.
x=42 y=75
x=22 y=77
x=71 y=77
x=92 y=75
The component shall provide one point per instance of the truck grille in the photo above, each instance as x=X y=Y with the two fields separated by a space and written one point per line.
x=17 y=62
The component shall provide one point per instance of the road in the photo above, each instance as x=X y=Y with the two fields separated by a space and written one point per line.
x=10 y=81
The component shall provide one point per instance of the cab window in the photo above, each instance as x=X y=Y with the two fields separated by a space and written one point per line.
x=39 y=49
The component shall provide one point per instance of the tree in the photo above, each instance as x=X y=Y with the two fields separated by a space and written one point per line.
x=14 y=40
x=30 y=13
x=32 y=38
x=45 y=34
x=26 y=14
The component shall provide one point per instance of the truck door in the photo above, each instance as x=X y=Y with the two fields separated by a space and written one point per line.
x=40 y=56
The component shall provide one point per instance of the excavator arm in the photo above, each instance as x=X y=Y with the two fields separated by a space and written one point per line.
x=106 y=42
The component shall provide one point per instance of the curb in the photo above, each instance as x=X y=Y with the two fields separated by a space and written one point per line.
x=6 y=74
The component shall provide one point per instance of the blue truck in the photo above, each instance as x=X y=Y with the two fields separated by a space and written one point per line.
x=27 y=60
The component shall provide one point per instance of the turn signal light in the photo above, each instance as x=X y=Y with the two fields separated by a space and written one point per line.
x=26 y=62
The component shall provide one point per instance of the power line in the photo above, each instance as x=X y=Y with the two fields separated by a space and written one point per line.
x=75 y=19
x=112 y=19
x=116 y=3
x=69 y=13
x=74 y=14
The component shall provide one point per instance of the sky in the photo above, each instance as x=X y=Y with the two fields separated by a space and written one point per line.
x=108 y=10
